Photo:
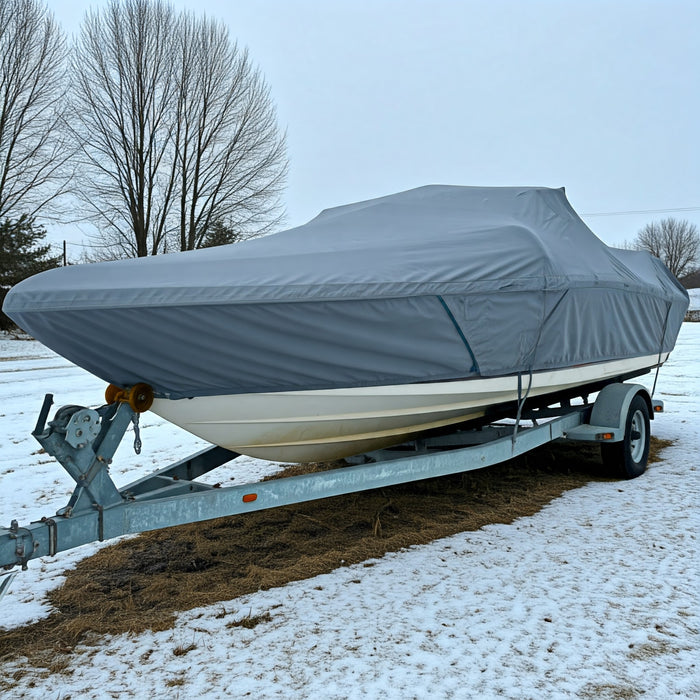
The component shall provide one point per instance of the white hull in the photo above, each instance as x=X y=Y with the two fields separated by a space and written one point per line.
x=306 y=426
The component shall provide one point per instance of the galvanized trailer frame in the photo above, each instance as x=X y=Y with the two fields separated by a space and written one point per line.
x=84 y=441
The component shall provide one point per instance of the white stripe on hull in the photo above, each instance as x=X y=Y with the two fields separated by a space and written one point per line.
x=305 y=426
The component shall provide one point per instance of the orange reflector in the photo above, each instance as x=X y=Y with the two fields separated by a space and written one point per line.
x=604 y=436
x=250 y=497
x=658 y=409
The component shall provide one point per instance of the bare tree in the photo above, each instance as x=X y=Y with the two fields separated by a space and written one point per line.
x=675 y=242
x=230 y=156
x=33 y=154
x=176 y=130
x=122 y=108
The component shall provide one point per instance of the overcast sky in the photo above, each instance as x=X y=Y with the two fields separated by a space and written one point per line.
x=602 y=98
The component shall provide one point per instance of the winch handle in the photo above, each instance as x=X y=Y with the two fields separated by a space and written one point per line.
x=43 y=414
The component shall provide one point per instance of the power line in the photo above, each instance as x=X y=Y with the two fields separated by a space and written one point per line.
x=641 y=211
x=79 y=245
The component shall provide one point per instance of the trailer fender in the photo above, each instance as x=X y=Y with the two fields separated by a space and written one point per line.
x=612 y=405
x=608 y=419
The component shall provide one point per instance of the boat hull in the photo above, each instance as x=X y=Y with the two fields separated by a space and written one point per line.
x=307 y=426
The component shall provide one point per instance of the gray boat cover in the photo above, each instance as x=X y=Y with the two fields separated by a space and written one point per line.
x=436 y=283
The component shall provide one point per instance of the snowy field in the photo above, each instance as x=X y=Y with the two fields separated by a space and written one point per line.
x=595 y=596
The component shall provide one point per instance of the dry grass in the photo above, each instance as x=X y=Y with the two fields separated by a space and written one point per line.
x=143 y=582
x=182 y=649
x=250 y=621
x=610 y=691
x=655 y=448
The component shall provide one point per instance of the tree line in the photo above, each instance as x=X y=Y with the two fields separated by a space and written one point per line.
x=153 y=120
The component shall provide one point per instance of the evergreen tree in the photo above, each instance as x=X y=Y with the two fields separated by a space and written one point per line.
x=220 y=234
x=22 y=253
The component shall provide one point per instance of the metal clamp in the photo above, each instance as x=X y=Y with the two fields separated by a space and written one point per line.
x=53 y=535
x=19 y=534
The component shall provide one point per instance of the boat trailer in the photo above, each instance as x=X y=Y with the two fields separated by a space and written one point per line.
x=84 y=440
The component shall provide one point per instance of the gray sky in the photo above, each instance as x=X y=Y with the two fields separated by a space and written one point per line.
x=377 y=97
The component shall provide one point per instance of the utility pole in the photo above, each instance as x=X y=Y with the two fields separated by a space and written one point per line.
x=65 y=261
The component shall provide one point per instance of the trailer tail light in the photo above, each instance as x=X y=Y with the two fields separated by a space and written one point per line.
x=250 y=497
x=605 y=436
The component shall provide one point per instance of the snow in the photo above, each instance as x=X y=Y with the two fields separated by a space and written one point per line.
x=595 y=596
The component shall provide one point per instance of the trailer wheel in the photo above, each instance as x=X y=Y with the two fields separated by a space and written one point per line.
x=628 y=459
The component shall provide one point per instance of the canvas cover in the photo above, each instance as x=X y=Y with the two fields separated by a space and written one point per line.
x=436 y=283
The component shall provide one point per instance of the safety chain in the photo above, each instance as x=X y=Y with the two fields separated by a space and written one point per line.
x=137 y=433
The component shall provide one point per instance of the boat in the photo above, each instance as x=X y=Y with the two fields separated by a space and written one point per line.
x=374 y=323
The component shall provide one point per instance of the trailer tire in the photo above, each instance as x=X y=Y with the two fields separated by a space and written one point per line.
x=628 y=459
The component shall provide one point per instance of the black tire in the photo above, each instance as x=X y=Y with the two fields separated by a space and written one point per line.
x=628 y=459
